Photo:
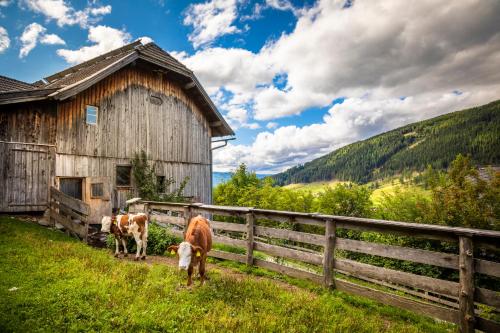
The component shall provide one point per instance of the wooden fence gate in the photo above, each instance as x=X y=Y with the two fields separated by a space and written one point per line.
x=70 y=213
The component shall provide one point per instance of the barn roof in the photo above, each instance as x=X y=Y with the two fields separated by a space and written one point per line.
x=9 y=84
x=73 y=80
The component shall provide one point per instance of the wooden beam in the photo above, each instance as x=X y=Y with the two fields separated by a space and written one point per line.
x=329 y=255
x=250 y=232
x=293 y=272
x=439 y=286
x=289 y=253
x=216 y=124
x=190 y=85
x=399 y=252
x=297 y=236
x=466 y=295
x=427 y=309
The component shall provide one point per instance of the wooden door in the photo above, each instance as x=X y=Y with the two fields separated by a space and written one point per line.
x=25 y=177
x=98 y=197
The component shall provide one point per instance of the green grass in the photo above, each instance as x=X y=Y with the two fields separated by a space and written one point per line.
x=64 y=285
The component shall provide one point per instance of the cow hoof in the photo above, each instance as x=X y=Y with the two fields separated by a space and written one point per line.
x=116 y=255
x=136 y=259
x=143 y=257
x=125 y=255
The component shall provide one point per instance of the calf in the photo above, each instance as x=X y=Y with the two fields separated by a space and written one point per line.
x=124 y=226
x=195 y=247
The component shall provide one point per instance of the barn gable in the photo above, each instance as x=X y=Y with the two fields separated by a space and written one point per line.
x=71 y=81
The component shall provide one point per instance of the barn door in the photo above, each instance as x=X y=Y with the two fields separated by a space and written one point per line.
x=98 y=196
x=28 y=169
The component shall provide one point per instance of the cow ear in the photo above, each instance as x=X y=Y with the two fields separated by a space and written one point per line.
x=197 y=250
x=173 y=249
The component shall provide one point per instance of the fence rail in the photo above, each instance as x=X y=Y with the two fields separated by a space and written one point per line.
x=71 y=213
x=250 y=231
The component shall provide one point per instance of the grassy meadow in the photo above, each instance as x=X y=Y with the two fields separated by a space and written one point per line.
x=52 y=283
x=387 y=186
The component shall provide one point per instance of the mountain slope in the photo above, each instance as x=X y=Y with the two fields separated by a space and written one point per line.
x=436 y=141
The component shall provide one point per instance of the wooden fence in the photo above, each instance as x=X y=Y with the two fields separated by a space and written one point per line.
x=71 y=213
x=458 y=302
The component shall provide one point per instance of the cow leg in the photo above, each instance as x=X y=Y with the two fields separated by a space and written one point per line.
x=117 y=251
x=202 y=271
x=144 y=245
x=124 y=243
x=139 y=245
x=190 y=273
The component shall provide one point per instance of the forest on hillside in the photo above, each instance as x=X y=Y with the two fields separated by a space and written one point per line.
x=473 y=132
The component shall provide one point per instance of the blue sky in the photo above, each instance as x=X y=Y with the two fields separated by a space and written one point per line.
x=295 y=79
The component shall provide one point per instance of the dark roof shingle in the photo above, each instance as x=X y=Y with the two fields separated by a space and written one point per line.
x=9 y=84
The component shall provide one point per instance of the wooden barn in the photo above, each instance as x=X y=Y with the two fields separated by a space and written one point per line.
x=79 y=129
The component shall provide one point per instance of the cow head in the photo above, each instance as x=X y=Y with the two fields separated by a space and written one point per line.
x=106 y=223
x=187 y=254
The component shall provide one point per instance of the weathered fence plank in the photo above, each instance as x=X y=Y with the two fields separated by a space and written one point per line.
x=250 y=232
x=71 y=202
x=227 y=256
x=427 y=309
x=296 y=236
x=392 y=276
x=289 y=253
x=398 y=252
x=329 y=255
x=466 y=295
x=293 y=272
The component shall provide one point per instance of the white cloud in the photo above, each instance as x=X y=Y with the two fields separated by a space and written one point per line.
x=4 y=3
x=29 y=38
x=4 y=39
x=145 y=40
x=33 y=34
x=373 y=51
x=355 y=119
x=64 y=14
x=104 y=39
x=271 y=125
x=210 y=20
x=52 y=39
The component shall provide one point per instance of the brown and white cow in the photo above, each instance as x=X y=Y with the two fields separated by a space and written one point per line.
x=127 y=225
x=195 y=247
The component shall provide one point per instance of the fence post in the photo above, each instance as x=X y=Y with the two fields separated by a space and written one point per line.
x=466 y=294
x=187 y=217
x=329 y=255
x=250 y=219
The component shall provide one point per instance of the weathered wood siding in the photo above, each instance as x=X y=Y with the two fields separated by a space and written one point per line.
x=28 y=122
x=174 y=134
x=27 y=138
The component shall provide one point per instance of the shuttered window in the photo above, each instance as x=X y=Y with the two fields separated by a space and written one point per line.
x=123 y=175
x=97 y=190
x=91 y=114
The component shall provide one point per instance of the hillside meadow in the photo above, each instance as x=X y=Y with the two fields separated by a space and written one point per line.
x=50 y=282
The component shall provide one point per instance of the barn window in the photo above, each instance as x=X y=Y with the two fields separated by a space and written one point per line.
x=123 y=175
x=97 y=190
x=91 y=114
x=160 y=180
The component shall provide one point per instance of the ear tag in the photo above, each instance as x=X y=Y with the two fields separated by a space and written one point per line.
x=198 y=254
x=172 y=252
